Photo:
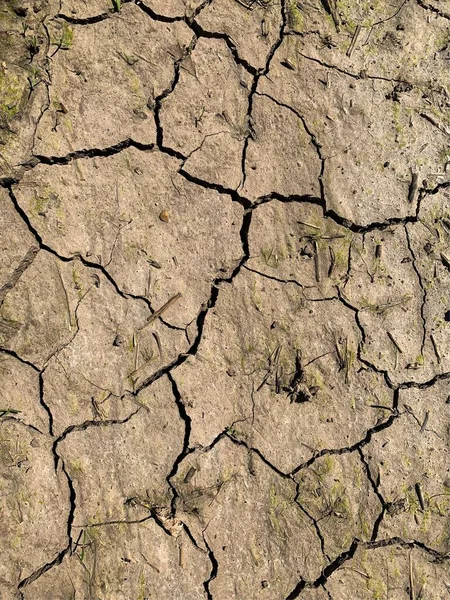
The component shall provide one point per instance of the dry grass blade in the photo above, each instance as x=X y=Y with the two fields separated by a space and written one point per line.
x=354 y=40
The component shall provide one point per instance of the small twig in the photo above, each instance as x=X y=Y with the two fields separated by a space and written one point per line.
x=316 y=260
x=354 y=40
x=163 y=309
x=391 y=337
x=433 y=121
x=412 y=595
x=308 y=225
x=317 y=357
x=435 y=348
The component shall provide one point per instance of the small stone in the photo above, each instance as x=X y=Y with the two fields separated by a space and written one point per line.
x=118 y=340
x=164 y=216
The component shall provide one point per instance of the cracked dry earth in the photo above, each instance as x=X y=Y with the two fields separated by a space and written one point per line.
x=224 y=299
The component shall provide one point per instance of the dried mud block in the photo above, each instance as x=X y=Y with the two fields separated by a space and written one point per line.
x=123 y=561
x=35 y=505
x=217 y=160
x=388 y=571
x=281 y=373
x=104 y=78
x=384 y=287
x=399 y=42
x=119 y=470
x=336 y=492
x=109 y=210
x=19 y=393
x=280 y=157
x=111 y=355
x=37 y=317
x=23 y=78
x=372 y=146
x=253 y=27
x=411 y=461
x=430 y=243
x=262 y=541
x=292 y=241
x=201 y=112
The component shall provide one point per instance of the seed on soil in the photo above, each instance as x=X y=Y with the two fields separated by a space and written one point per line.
x=419 y=494
x=189 y=475
x=154 y=263
x=413 y=187
x=378 y=250
x=264 y=28
x=164 y=216
x=287 y=64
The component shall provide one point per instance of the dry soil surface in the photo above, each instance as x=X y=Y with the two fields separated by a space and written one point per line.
x=224 y=299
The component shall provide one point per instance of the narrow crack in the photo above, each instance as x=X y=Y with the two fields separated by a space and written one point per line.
x=185 y=449
x=239 y=442
x=292 y=281
x=207 y=306
x=156 y=16
x=88 y=153
x=59 y=461
x=435 y=9
x=313 y=521
x=356 y=75
x=44 y=404
x=14 y=354
x=357 y=445
x=376 y=491
x=313 y=139
x=260 y=73
x=334 y=216
x=86 y=425
x=164 y=94
x=82 y=259
x=214 y=569
x=328 y=571
x=234 y=195
x=203 y=33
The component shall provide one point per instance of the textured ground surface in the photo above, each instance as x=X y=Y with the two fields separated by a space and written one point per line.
x=224 y=299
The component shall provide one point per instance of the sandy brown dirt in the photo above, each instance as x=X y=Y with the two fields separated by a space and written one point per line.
x=224 y=300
